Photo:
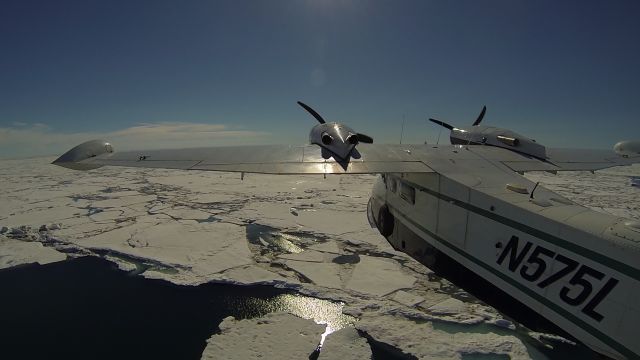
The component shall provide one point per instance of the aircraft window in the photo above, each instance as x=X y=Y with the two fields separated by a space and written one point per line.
x=393 y=185
x=408 y=193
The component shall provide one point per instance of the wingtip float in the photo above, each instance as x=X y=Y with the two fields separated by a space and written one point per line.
x=74 y=158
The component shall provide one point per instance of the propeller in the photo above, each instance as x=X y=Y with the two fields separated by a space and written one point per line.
x=327 y=140
x=365 y=138
x=481 y=116
x=475 y=123
x=441 y=123
x=312 y=112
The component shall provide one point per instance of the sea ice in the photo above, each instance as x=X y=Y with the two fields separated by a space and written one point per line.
x=406 y=298
x=433 y=340
x=321 y=274
x=345 y=344
x=273 y=336
x=378 y=276
x=193 y=227
x=14 y=253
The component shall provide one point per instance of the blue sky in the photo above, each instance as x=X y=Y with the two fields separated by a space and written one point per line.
x=564 y=72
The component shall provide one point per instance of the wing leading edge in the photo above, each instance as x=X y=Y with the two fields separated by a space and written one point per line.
x=267 y=159
x=311 y=159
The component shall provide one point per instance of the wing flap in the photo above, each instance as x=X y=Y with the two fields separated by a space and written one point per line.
x=587 y=160
x=536 y=165
x=557 y=159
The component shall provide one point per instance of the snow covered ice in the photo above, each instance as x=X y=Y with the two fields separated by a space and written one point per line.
x=304 y=233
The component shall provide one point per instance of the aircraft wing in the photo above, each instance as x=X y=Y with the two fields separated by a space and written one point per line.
x=311 y=159
x=266 y=159
x=560 y=159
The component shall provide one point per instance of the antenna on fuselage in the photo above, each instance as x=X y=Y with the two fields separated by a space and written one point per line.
x=426 y=135
x=402 y=129
x=534 y=189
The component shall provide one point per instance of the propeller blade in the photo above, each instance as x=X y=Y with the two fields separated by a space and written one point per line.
x=477 y=122
x=312 y=112
x=365 y=138
x=441 y=123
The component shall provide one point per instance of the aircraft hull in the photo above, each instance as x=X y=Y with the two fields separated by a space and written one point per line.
x=544 y=264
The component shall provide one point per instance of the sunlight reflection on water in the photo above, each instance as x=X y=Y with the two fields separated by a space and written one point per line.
x=321 y=311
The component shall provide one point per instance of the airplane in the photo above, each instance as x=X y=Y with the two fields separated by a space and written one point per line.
x=575 y=267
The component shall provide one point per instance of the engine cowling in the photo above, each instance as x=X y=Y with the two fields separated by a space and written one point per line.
x=489 y=135
x=335 y=137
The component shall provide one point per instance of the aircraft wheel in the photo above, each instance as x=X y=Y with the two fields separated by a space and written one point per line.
x=385 y=221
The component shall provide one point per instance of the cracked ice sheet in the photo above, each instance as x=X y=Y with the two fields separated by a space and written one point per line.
x=16 y=253
x=379 y=277
x=282 y=335
x=425 y=341
x=332 y=208
x=345 y=344
x=218 y=251
x=203 y=249
x=273 y=336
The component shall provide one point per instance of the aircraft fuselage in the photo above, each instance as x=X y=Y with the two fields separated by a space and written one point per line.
x=561 y=260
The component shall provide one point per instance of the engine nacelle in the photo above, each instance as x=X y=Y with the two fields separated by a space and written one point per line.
x=488 y=135
x=339 y=139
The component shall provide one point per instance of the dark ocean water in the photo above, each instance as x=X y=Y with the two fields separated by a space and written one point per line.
x=87 y=309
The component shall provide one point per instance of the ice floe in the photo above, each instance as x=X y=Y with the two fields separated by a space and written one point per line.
x=345 y=344
x=274 y=336
x=304 y=233
x=431 y=340
x=15 y=252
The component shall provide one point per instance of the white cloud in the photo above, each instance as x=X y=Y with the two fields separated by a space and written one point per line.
x=23 y=140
